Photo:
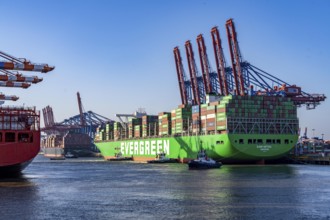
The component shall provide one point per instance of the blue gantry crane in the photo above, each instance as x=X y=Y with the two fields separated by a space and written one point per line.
x=84 y=123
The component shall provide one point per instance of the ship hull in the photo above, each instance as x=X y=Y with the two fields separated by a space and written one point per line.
x=16 y=156
x=224 y=147
x=14 y=169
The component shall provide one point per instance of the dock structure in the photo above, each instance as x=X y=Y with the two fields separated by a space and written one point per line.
x=313 y=159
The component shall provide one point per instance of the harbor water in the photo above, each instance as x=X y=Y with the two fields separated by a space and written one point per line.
x=92 y=188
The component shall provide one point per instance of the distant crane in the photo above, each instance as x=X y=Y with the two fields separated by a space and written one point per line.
x=82 y=118
x=84 y=122
x=242 y=78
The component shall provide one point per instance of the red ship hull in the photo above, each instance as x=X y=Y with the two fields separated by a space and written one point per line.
x=19 y=138
x=14 y=157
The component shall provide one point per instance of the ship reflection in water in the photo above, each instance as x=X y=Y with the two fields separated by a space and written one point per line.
x=90 y=188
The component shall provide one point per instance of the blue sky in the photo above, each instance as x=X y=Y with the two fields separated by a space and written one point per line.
x=119 y=54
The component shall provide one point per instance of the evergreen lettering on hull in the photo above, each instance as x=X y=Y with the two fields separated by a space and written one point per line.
x=147 y=147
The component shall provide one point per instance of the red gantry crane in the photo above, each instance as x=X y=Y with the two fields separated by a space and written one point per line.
x=204 y=64
x=198 y=88
x=220 y=61
x=180 y=73
x=235 y=56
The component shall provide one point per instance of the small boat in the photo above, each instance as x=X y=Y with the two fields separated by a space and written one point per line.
x=161 y=158
x=57 y=158
x=119 y=157
x=70 y=155
x=203 y=162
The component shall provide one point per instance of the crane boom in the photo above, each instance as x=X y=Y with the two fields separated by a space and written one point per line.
x=180 y=73
x=193 y=73
x=9 y=76
x=235 y=57
x=8 y=97
x=14 y=63
x=14 y=84
x=220 y=61
x=204 y=64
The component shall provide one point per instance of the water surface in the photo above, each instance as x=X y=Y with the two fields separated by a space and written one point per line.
x=95 y=189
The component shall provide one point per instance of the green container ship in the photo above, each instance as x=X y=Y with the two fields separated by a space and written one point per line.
x=230 y=128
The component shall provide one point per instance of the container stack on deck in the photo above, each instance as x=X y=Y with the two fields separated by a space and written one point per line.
x=196 y=123
x=149 y=125
x=259 y=114
x=164 y=121
x=229 y=114
x=134 y=127
x=109 y=131
x=138 y=131
x=180 y=119
x=119 y=131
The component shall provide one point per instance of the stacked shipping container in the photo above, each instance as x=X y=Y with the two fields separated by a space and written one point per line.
x=134 y=127
x=164 y=122
x=180 y=119
x=149 y=125
x=230 y=114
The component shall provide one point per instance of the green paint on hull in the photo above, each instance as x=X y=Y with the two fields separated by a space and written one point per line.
x=238 y=147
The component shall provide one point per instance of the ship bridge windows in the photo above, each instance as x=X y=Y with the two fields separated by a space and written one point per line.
x=10 y=137
x=25 y=137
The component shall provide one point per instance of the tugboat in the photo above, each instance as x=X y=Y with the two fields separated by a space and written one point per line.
x=203 y=162
x=161 y=158
x=119 y=157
